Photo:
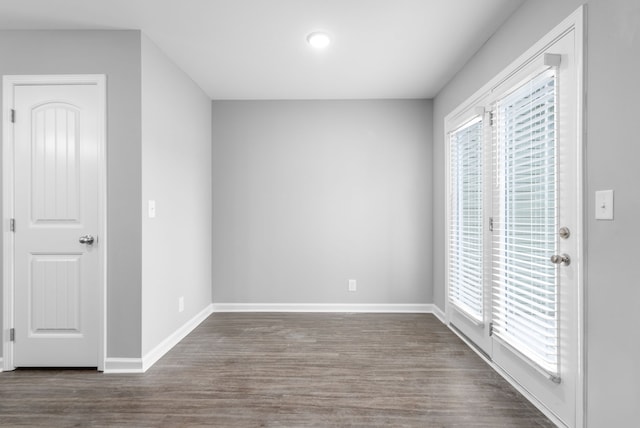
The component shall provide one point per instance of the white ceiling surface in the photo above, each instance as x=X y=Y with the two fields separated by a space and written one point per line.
x=256 y=49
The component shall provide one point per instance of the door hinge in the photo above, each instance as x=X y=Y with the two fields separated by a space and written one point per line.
x=12 y=334
x=491 y=118
x=490 y=329
x=491 y=224
x=12 y=224
x=13 y=116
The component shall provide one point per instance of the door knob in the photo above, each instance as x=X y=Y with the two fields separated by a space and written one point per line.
x=562 y=259
x=86 y=239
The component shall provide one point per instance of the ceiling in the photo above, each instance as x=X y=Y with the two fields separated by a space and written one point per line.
x=256 y=49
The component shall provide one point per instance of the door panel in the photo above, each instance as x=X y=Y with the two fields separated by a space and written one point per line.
x=54 y=185
x=54 y=288
x=56 y=201
x=553 y=383
x=469 y=295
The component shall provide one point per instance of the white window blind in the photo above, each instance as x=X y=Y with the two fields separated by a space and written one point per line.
x=525 y=283
x=466 y=219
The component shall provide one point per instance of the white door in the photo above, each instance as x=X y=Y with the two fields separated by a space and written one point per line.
x=514 y=241
x=56 y=210
x=469 y=295
x=536 y=240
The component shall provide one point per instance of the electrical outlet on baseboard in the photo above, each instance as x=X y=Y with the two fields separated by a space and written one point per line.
x=352 y=285
x=181 y=304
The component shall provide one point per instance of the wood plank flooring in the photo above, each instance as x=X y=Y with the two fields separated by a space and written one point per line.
x=283 y=370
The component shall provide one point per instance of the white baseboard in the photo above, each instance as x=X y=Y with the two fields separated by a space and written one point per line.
x=141 y=365
x=1 y=364
x=439 y=313
x=151 y=357
x=123 y=365
x=421 y=308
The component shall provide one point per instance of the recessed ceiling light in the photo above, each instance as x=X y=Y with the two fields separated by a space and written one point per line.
x=318 y=40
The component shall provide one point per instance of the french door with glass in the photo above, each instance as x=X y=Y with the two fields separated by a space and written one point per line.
x=514 y=223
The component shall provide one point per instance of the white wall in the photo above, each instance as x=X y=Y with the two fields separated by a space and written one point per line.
x=117 y=55
x=309 y=194
x=613 y=291
x=176 y=173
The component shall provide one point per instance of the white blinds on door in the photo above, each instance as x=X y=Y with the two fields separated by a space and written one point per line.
x=525 y=283
x=466 y=219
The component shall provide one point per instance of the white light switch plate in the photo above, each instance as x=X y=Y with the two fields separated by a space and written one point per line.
x=604 y=205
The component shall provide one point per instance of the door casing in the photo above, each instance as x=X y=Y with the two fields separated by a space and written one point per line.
x=8 y=191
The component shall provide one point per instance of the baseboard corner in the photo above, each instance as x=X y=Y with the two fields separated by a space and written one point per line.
x=435 y=310
x=152 y=357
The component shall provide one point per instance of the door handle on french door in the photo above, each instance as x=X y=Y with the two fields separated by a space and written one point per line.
x=86 y=239
x=563 y=259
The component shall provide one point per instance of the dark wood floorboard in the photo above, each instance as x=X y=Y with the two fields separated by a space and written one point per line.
x=284 y=370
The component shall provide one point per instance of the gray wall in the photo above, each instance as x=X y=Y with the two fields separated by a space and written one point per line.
x=309 y=194
x=116 y=54
x=613 y=294
x=176 y=173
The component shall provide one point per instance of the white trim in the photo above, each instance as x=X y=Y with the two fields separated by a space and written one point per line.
x=141 y=365
x=101 y=81
x=7 y=213
x=1 y=365
x=9 y=82
x=421 y=308
x=151 y=357
x=439 y=314
x=579 y=16
x=123 y=365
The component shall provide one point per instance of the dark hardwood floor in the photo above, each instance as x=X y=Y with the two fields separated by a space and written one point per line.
x=284 y=370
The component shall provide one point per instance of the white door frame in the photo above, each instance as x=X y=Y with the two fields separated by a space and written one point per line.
x=574 y=22
x=8 y=190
